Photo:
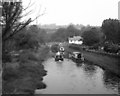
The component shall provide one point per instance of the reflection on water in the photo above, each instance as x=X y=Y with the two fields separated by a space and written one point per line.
x=90 y=70
x=68 y=77
x=79 y=64
x=111 y=81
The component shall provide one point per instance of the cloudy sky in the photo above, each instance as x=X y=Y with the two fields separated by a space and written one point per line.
x=63 y=12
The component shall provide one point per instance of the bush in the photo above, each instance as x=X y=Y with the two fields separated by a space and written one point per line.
x=111 y=48
x=10 y=74
x=55 y=48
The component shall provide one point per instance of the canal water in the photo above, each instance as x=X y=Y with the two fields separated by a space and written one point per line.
x=68 y=77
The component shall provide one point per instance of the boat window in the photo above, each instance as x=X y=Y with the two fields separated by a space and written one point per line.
x=79 y=55
x=60 y=56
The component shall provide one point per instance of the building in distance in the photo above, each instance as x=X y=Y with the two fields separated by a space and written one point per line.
x=75 y=40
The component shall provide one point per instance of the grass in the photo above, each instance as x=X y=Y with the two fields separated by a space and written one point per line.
x=106 y=61
x=26 y=74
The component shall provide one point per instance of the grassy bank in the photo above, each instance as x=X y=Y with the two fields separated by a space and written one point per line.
x=25 y=74
x=105 y=60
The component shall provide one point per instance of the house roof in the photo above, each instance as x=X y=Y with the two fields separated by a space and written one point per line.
x=75 y=38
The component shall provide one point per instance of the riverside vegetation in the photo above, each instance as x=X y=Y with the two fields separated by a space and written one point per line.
x=25 y=73
x=22 y=51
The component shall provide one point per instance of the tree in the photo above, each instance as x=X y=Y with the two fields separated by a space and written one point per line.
x=42 y=36
x=72 y=31
x=25 y=40
x=92 y=36
x=11 y=12
x=38 y=33
x=11 y=21
x=62 y=34
x=111 y=29
x=59 y=35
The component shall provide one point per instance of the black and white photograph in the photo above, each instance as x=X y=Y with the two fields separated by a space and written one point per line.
x=59 y=47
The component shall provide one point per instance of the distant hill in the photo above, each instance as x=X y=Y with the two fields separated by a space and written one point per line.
x=50 y=31
x=52 y=28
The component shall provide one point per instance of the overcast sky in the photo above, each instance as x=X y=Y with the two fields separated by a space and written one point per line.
x=63 y=12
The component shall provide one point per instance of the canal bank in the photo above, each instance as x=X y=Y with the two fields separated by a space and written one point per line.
x=104 y=60
x=26 y=74
x=107 y=62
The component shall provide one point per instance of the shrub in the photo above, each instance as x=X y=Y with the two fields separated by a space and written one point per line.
x=55 y=48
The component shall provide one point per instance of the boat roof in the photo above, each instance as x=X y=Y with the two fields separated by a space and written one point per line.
x=76 y=52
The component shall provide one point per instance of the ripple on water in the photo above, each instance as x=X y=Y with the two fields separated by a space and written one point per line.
x=68 y=78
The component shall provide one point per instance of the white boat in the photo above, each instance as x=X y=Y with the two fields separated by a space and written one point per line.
x=59 y=56
x=77 y=56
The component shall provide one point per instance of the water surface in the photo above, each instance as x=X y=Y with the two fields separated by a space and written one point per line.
x=68 y=77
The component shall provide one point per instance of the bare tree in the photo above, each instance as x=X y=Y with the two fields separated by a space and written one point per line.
x=11 y=20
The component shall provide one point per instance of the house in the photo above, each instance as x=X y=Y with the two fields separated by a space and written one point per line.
x=75 y=40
